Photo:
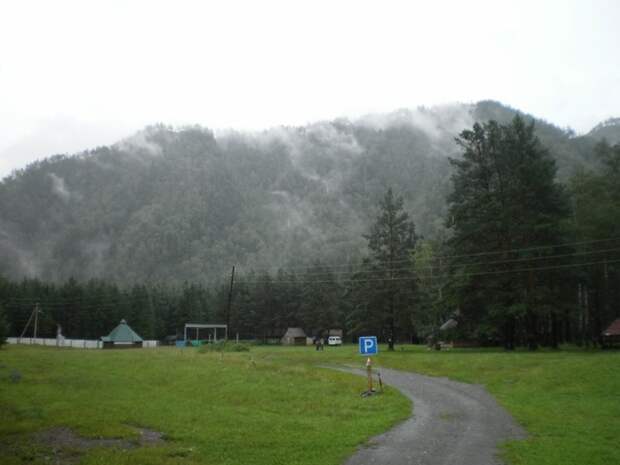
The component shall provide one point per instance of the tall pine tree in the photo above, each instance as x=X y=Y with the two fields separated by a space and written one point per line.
x=596 y=217
x=389 y=277
x=504 y=202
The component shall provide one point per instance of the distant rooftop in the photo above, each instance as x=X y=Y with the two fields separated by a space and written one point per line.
x=613 y=329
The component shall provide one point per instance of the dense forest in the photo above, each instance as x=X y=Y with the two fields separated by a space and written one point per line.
x=384 y=224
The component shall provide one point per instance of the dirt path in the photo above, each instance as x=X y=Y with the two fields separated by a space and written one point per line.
x=453 y=423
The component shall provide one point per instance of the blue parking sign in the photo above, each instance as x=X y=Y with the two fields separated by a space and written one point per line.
x=368 y=345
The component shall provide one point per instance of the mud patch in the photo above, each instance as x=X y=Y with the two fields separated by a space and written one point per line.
x=62 y=438
x=61 y=445
x=65 y=437
x=149 y=437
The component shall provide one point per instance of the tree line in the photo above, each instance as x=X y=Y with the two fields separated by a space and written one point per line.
x=523 y=260
x=263 y=305
x=534 y=261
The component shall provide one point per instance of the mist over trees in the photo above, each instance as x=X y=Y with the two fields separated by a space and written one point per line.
x=175 y=205
x=149 y=228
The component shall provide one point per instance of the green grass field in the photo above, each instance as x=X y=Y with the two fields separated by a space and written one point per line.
x=212 y=410
x=568 y=400
x=273 y=405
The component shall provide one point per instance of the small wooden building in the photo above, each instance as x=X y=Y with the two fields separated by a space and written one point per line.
x=294 y=336
x=122 y=337
x=611 y=336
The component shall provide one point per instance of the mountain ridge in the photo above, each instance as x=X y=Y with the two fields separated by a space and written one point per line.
x=185 y=204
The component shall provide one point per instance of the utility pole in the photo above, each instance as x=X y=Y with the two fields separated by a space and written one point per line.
x=230 y=292
x=36 y=319
x=34 y=313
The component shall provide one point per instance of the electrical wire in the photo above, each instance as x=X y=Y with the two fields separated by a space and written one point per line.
x=443 y=257
x=452 y=266
x=413 y=277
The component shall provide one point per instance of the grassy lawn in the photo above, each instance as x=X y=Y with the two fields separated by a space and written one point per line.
x=272 y=405
x=568 y=400
x=211 y=410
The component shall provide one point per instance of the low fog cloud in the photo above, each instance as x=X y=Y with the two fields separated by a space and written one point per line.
x=16 y=258
x=59 y=187
x=436 y=122
x=141 y=143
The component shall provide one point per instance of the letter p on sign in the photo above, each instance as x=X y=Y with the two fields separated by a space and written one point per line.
x=368 y=345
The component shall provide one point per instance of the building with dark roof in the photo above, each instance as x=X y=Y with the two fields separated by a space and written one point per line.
x=294 y=336
x=611 y=335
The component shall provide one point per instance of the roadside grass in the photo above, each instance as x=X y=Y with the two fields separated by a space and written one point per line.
x=568 y=400
x=213 y=408
x=273 y=405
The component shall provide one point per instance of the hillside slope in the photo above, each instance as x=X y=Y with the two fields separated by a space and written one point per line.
x=183 y=204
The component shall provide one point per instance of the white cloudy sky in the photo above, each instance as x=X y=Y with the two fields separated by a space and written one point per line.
x=77 y=74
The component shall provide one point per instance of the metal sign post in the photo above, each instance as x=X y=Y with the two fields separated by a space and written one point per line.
x=369 y=373
x=368 y=346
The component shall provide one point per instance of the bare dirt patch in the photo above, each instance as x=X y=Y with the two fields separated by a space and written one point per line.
x=65 y=437
x=63 y=446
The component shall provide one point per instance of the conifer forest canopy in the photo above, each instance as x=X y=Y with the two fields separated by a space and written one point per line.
x=389 y=223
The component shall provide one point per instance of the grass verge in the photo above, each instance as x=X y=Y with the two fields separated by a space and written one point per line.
x=213 y=408
x=568 y=400
x=272 y=405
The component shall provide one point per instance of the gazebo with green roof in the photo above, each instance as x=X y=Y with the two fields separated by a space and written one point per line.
x=122 y=337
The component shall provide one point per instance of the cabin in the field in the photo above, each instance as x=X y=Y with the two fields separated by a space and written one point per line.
x=122 y=337
x=294 y=336
x=611 y=335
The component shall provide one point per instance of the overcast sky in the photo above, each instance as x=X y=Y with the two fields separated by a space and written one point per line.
x=77 y=74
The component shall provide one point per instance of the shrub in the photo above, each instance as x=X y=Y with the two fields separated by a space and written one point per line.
x=224 y=346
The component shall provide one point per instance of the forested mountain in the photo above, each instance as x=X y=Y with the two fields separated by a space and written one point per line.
x=174 y=205
x=608 y=130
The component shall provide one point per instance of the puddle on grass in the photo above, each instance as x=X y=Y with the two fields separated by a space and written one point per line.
x=65 y=437
x=62 y=445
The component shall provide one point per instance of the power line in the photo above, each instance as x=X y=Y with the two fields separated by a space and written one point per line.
x=528 y=249
x=124 y=297
x=413 y=278
x=82 y=302
x=87 y=302
x=442 y=257
x=461 y=265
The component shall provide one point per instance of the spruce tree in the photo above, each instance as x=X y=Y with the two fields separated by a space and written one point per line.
x=596 y=217
x=320 y=300
x=389 y=280
x=505 y=201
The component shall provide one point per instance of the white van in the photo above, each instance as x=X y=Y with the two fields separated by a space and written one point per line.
x=334 y=341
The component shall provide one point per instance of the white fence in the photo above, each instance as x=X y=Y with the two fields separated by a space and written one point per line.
x=75 y=343
x=60 y=342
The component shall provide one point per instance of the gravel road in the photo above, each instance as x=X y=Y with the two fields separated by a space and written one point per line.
x=452 y=424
